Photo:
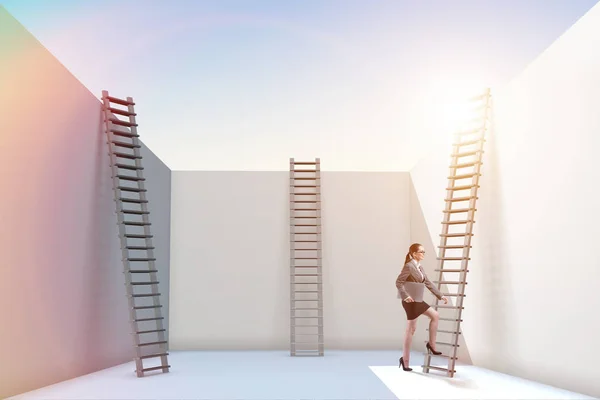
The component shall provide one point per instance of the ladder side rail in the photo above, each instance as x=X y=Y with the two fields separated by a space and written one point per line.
x=148 y=239
x=121 y=228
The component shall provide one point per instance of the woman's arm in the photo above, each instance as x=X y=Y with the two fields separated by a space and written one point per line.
x=432 y=287
x=400 y=281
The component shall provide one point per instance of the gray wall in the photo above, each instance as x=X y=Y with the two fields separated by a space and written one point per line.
x=60 y=270
x=230 y=282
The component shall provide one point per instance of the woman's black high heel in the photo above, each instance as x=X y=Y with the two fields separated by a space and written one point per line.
x=402 y=365
x=437 y=353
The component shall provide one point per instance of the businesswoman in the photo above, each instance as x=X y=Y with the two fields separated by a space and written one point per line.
x=413 y=272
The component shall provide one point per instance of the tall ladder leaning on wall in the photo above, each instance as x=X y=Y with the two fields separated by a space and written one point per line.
x=453 y=258
x=139 y=263
x=306 y=278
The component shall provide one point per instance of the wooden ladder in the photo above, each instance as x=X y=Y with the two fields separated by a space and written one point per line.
x=141 y=281
x=457 y=232
x=306 y=278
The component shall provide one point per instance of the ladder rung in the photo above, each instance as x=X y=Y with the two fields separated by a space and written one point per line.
x=126 y=200
x=305 y=241
x=146 y=295
x=465 y=165
x=125 y=144
x=444 y=306
x=446 y=344
x=467 y=153
x=455 y=234
x=152 y=343
x=306 y=266
x=154 y=355
x=127 y=166
x=306 y=274
x=463 y=187
x=455 y=295
x=309 y=317
x=123 y=133
x=305 y=178
x=142 y=271
x=131 y=189
x=135 y=236
x=118 y=111
x=451 y=270
x=138 y=212
x=131 y=178
x=145 y=283
x=305 y=209
x=461 y=198
x=139 y=247
x=133 y=223
x=453 y=258
x=306 y=217
x=153 y=331
x=307 y=309
x=458 y=222
x=469 y=142
x=438 y=368
x=463 y=176
x=304 y=186
x=126 y=155
x=450 y=319
x=450 y=282
x=314 y=225
x=308 y=343
x=443 y=331
x=307 y=291
x=306 y=326
x=148 y=319
x=146 y=307
x=117 y=121
x=306 y=258
x=155 y=368
x=305 y=170
x=305 y=163
x=459 y=210
x=440 y=356
x=119 y=101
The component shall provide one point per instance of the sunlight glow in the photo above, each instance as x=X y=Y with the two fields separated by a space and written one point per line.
x=452 y=105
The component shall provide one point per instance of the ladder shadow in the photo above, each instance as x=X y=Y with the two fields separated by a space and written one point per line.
x=456 y=382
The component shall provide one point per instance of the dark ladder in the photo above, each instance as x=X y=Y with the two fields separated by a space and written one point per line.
x=306 y=278
x=457 y=231
x=139 y=267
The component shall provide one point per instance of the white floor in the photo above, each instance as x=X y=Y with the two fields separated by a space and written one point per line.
x=265 y=375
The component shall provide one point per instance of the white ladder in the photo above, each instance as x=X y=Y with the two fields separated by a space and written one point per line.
x=139 y=267
x=306 y=279
x=457 y=231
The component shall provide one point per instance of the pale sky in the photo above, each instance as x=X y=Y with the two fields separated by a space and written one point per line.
x=244 y=85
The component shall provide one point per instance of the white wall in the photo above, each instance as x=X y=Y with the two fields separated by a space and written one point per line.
x=532 y=305
x=61 y=281
x=230 y=259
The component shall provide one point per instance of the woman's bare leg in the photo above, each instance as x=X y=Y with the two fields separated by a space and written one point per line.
x=411 y=327
x=434 y=318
